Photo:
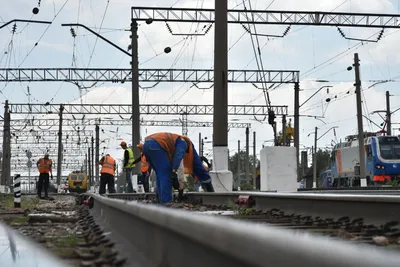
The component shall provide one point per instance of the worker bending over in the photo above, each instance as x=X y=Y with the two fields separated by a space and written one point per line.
x=44 y=166
x=207 y=167
x=144 y=168
x=129 y=160
x=108 y=167
x=165 y=151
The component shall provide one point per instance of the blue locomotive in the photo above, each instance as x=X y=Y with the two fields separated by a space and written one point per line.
x=382 y=158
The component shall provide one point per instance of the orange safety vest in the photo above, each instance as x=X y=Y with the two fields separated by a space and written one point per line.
x=108 y=165
x=144 y=165
x=45 y=165
x=167 y=142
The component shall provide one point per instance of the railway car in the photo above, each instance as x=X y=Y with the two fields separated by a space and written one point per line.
x=78 y=182
x=382 y=158
x=325 y=179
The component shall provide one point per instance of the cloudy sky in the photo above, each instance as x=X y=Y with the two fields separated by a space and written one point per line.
x=319 y=53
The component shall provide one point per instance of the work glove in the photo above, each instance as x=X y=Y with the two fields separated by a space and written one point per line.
x=174 y=181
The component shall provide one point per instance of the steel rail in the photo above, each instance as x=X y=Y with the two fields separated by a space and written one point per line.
x=18 y=250
x=374 y=209
x=151 y=235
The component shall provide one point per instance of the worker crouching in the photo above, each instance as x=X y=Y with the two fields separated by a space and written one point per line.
x=165 y=152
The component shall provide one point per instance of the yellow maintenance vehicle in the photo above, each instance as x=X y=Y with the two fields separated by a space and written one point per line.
x=78 y=182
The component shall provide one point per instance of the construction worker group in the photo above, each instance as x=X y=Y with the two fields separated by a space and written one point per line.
x=169 y=155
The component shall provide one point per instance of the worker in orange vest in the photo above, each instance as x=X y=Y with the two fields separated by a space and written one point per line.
x=108 y=167
x=44 y=166
x=165 y=152
x=144 y=168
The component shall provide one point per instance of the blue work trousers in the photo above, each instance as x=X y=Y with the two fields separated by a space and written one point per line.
x=160 y=162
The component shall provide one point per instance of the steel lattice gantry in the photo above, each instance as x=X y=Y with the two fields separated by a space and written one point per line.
x=125 y=109
x=316 y=18
x=145 y=75
x=90 y=122
x=46 y=133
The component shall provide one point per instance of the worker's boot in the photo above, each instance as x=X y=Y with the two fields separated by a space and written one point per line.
x=207 y=187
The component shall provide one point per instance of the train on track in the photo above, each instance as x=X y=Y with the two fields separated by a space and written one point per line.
x=382 y=158
x=78 y=182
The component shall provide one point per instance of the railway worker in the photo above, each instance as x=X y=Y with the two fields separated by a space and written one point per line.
x=108 y=167
x=44 y=166
x=129 y=160
x=144 y=168
x=165 y=152
x=207 y=167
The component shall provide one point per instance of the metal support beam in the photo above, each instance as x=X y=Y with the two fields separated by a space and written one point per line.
x=136 y=112
x=361 y=149
x=296 y=138
x=97 y=157
x=145 y=75
x=5 y=173
x=237 y=16
x=59 y=158
x=247 y=160
x=104 y=122
x=148 y=109
x=27 y=132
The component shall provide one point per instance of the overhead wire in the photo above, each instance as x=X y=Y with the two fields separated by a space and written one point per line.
x=40 y=38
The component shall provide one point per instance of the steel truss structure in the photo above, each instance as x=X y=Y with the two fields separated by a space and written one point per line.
x=126 y=109
x=90 y=122
x=50 y=145
x=47 y=133
x=145 y=75
x=316 y=18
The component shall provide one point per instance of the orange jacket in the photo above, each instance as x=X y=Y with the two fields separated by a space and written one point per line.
x=168 y=140
x=44 y=166
x=108 y=165
x=144 y=165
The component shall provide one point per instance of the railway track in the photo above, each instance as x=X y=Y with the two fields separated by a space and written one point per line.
x=263 y=229
x=154 y=235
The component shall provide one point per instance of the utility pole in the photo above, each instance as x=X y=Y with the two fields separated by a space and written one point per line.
x=87 y=167
x=360 y=121
x=297 y=125
x=284 y=141
x=97 y=128
x=135 y=94
x=5 y=168
x=200 y=153
x=315 y=158
x=93 y=162
x=254 y=160
x=388 y=114
x=220 y=116
x=238 y=165
x=59 y=157
x=247 y=160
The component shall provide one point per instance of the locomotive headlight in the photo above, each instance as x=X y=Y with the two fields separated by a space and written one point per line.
x=379 y=166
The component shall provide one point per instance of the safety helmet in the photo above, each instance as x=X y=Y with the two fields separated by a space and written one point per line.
x=123 y=143
x=46 y=154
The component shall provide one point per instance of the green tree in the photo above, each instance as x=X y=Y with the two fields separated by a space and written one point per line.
x=323 y=161
x=233 y=162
